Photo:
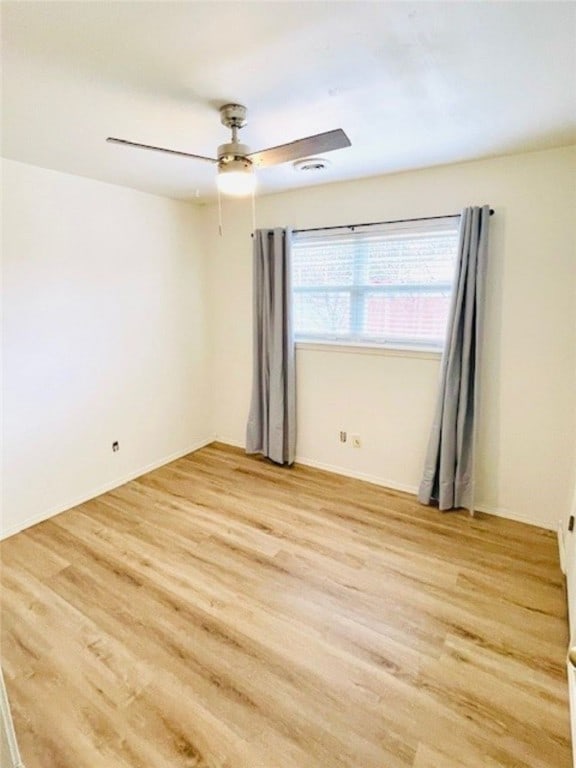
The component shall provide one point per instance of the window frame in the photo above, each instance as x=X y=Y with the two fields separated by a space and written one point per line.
x=358 y=291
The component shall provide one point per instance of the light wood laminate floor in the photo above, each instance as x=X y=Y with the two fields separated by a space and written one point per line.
x=222 y=612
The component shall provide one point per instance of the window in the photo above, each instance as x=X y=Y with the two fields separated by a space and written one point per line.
x=384 y=285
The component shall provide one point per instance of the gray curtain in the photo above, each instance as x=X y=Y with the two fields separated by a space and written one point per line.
x=271 y=427
x=449 y=469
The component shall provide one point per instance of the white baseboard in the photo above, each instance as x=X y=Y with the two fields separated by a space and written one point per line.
x=93 y=493
x=510 y=515
x=336 y=470
x=405 y=487
x=375 y=480
x=229 y=441
x=367 y=478
x=413 y=489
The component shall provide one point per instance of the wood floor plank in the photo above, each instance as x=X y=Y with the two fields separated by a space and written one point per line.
x=223 y=612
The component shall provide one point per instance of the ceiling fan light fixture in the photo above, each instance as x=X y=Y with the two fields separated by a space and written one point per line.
x=236 y=178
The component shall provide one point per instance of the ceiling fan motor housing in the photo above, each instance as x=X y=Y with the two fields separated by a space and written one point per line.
x=241 y=164
x=233 y=115
x=233 y=151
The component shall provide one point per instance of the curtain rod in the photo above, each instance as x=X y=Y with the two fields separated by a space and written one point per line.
x=377 y=223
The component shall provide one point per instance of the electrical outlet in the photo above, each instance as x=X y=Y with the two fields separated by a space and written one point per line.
x=343 y=436
x=356 y=441
x=115 y=446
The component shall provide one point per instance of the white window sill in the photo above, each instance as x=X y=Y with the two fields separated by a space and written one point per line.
x=368 y=349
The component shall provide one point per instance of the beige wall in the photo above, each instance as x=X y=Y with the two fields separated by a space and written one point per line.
x=104 y=338
x=528 y=425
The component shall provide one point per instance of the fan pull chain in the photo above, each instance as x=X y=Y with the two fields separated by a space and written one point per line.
x=220 y=229
x=254 y=210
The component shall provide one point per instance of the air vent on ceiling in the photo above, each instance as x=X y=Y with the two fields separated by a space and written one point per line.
x=311 y=164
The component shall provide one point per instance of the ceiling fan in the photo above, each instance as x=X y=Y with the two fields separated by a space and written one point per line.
x=235 y=161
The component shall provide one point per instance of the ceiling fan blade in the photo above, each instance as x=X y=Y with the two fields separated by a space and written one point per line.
x=127 y=143
x=311 y=145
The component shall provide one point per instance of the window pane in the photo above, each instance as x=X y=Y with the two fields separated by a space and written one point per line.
x=322 y=314
x=384 y=284
x=420 y=317
x=426 y=261
x=324 y=267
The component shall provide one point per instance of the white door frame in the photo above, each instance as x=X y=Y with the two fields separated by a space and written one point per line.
x=8 y=737
x=567 y=542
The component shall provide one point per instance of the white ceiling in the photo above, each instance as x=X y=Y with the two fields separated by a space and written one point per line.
x=413 y=84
